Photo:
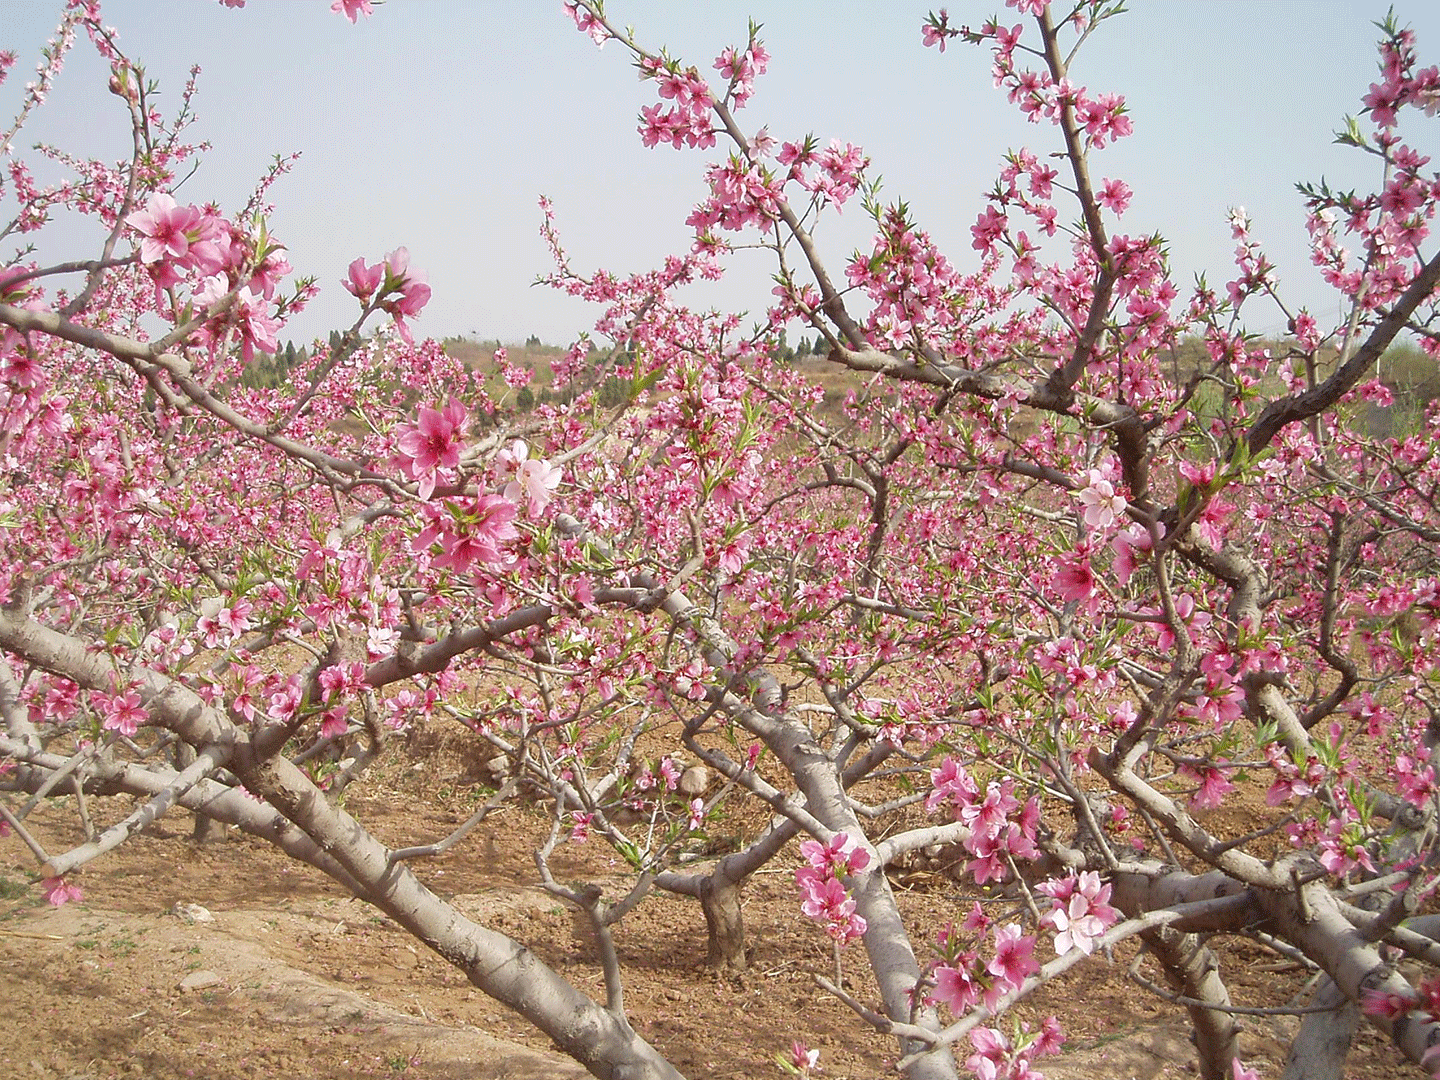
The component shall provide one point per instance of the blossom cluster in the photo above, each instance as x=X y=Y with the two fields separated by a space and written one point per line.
x=827 y=900
x=997 y=833
x=1401 y=84
x=963 y=981
x=686 y=120
x=994 y=1056
x=740 y=68
x=195 y=244
x=1082 y=911
x=391 y=285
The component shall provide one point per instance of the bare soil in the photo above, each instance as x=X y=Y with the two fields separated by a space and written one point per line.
x=289 y=977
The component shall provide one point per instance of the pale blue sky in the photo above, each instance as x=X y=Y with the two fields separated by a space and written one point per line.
x=437 y=123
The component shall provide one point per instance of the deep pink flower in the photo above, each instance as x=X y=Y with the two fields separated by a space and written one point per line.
x=1214 y=786
x=315 y=559
x=21 y=370
x=1014 y=960
x=414 y=294
x=352 y=9
x=166 y=228
x=59 y=892
x=956 y=987
x=1050 y=1039
x=587 y=23
x=235 y=619
x=493 y=519
x=343 y=680
x=951 y=781
x=363 y=280
x=1381 y=101
x=841 y=855
x=1131 y=546
x=977 y=922
x=285 y=700
x=1115 y=195
x=991 y=1051
x=257 y=329
x=413 y=297
x=123 y=713
x=1074 y=579
x=988 y=228
x=266 y=276
x=432 y=443
x=580 y=832
x=475 y=535
x=333 y=724
x=1386 y=1003
x=828 y=902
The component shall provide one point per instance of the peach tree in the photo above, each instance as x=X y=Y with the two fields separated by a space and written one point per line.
x=1068 y=564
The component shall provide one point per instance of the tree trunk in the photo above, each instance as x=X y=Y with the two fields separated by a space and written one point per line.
x=718 y=891
x=724 y=923
x=1193 y=970
x=887 y=943
x=207 y=830
x=1319 y=1049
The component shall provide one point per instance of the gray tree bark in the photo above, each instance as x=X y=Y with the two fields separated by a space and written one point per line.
x=1319 y=1049
x=206 y=830
x=1192 y=969
x=724 y=922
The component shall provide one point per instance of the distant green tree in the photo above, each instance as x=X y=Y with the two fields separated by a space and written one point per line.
x=783 y=351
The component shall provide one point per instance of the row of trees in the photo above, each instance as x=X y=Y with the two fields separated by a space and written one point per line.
x=1019 y=593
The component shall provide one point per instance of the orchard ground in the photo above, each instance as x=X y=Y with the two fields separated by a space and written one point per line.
x=295 y=979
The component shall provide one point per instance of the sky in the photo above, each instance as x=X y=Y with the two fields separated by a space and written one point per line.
x=437 y=124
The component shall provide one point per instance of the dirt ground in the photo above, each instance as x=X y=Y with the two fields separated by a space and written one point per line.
x=283 y=975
